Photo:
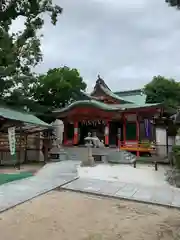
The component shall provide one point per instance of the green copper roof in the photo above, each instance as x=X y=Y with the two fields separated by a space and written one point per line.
x=135 y=96
x=114 y=95
x=127 y=99
x=103 y=106
x=21 y=116
x=132 y=105
x=138 y=99
x=94 y=103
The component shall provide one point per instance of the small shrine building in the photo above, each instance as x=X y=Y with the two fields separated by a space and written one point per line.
x=119 y=119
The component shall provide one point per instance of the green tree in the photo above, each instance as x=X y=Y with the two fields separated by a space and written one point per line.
x=163 y=90
x=173 y=3
x=20 y=52
x=58 y=87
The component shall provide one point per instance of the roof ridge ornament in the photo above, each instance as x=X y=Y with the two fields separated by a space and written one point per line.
x=100 y=81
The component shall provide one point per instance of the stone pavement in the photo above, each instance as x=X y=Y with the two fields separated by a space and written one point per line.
x=166 y=196
x=63 y=175
x=51 y=176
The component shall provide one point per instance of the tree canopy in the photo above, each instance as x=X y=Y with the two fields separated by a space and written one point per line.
x=20 y=51
x=58 y=87
x=163 y=90
x=173 y=3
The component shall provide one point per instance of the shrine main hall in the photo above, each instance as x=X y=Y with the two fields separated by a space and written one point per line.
x=119 y=119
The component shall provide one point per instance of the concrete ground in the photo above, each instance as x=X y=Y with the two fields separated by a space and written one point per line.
x=49 y=177
x=68 y=215
x=143 y=184
x=143 y=174
x=33 y=168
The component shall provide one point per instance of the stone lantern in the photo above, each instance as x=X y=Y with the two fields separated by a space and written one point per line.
x=57 y=153
x=89 y=161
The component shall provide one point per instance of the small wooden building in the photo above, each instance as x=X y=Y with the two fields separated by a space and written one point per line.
x=28 y=128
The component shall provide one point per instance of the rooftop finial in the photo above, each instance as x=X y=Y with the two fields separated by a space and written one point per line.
x=99 y=80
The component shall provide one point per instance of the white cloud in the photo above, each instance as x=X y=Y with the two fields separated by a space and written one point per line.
x=127 y=42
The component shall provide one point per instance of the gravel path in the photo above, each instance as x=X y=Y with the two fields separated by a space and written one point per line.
x=70 y=215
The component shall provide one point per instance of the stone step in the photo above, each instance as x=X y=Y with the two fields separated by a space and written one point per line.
x=121 y=157
x=113 y=155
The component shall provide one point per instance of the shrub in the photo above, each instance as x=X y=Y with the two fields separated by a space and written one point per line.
x=145 y=143
x=176 y=154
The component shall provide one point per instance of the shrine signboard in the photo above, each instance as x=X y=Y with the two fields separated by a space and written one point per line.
x=12 y=141
x=93 y=123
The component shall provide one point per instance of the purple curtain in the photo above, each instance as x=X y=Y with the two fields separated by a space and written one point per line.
x=147 y=125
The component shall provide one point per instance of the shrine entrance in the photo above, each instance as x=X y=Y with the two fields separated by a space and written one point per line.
x=115 y=127
x=96 y=127
x=114 y=118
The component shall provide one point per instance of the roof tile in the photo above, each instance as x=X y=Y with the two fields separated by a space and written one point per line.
x=21 y=116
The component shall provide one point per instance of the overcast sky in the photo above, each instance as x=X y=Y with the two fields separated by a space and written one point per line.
x=127 y=42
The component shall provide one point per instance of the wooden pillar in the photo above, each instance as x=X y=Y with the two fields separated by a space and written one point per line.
x=119 y=137
x=46 y=146
x=124 y=129
x=65 y=133
x=75 y=140
x=26 y=141
x=46 y=149
x=106 y=133
x=20 y=148
x=137 y=133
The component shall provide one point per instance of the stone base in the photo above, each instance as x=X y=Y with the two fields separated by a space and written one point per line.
x=57 y=154
x=57 y=157
x=89 y=162
x=63 y=156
